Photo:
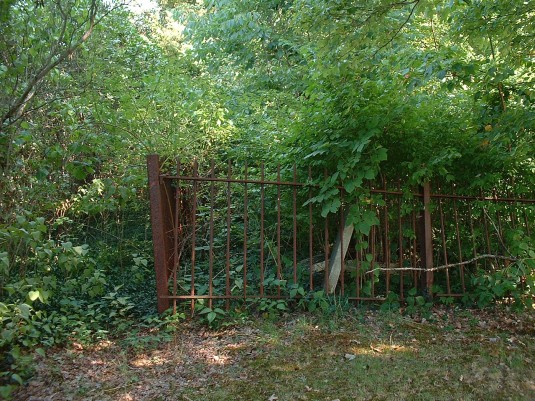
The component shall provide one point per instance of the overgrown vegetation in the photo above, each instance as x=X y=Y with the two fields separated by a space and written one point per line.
x=438 y=90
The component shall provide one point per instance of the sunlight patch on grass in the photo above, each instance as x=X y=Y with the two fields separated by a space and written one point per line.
x=146 y=361
x=371 y=357
x=380 y=350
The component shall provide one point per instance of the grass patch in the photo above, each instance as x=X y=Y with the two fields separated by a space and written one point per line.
x=360 y=356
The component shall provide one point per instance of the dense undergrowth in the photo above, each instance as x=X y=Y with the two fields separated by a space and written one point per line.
x=56 y=291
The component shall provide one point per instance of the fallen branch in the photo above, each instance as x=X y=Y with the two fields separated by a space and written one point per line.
x=420 y=269
x=351 y=265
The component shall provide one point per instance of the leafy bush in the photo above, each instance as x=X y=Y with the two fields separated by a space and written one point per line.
x=52 y=291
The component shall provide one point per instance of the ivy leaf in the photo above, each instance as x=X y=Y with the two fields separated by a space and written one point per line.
x=331 y=206
x=33 y=295
x=17 y=378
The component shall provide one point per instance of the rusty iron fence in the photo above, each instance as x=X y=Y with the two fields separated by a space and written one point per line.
x=230 y=232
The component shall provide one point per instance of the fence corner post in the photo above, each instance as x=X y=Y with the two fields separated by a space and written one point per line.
x=426 y=240
x=159 y=240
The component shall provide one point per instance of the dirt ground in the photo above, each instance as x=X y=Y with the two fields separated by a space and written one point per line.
x=454 y=354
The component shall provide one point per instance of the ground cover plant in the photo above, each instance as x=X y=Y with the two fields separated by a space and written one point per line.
x=360 y=354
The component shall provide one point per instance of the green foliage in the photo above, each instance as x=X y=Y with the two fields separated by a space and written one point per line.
x=213 y=316
x=438 y=90
x=53 y=291
x=417 y=304
x=391 y=303
x=513 y=284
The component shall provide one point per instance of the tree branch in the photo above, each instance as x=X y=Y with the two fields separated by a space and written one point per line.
x=400 y=28
x=434 y=269
x=18 y=106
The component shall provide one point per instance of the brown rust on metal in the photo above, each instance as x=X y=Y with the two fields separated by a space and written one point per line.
x=444 y=246
x=262 y=205
x=326 y=247
x=177 y=232
x=379 y=241
x=373 y=190
x=279 y=264
x=526 y=221
x=227 y=254
x=193 y=235
x=294 y=210
x=386 y=242
x=310 y=235
x=341 y=230
x=414 y=251
x=372 y=262
x=245 y=218
x=426 y=238
x=358 y=279
x=472 y=234
x=211 y=249
x=400 y=246
x=159 y=240
x=512 y=209
x=458 y=235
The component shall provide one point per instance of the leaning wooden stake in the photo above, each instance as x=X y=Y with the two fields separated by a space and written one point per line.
x=338 y=254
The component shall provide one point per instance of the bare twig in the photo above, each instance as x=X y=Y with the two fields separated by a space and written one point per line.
x=420 y=269
x=497 y=232
x=399 y=29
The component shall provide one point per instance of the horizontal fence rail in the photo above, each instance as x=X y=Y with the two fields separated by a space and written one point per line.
x=235 y=232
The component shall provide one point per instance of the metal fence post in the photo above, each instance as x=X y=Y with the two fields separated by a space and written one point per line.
x=426 y=240
x=159 y=211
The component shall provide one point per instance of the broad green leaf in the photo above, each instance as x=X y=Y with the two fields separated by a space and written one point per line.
x=33 y=295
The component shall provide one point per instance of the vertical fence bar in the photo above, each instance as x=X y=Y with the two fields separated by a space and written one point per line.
x=512 y=208
x=342 y=246
x=486 y=226
x=472 y=233
x=458 y=234
x=177 y=233
x=193 y=233
x=262 y=204
x=372 y=262
x=227 y=254
x=487 y=235
x=294 y=199
x=426 y=239
x=211 y=249
x=245 y=217
x=498 y=220
x=327 y=285
x=279 y=264
x=372 y=237
x=386 y=244
x=400 y=240
x=414 y=251
x=526 y=221
x=326 y=250
x=159 y=236
x=444 y=247
x=310 y=235
x=358 y=278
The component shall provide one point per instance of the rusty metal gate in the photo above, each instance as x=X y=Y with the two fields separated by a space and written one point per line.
x=229 y=232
